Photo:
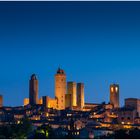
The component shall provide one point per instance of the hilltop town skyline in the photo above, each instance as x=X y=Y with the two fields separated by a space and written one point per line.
x=69 y=69
x=39 y=98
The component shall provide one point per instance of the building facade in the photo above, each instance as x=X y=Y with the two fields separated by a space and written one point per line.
x=114 y=95
x=40 y=101
x=60 y=88
x=80 y=95
x=49 y=102
x=26 y=101
x=68 y=103
x=126 y=115
x=33 y=90
x=71 y=89
x=133 y=103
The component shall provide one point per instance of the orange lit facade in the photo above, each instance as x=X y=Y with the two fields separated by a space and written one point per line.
x=71 y=89
x=49 y=102
x=68 y=103
x=60 y=89
x=40 y=101
x=26 y=101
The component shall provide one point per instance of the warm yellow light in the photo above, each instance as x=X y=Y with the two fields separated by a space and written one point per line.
x=127 y=126
x=47 y=114
x=116 y=89
x=128 y=123
x=112 y=89
x=69 y=114
x=122 y=122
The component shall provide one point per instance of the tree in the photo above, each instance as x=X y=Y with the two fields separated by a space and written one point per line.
x=44 y=131
x=18 y=131
x=134 y=134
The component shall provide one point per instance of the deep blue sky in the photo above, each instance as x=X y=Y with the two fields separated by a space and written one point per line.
x=97 y=43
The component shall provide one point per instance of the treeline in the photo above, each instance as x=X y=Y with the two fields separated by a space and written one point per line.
x=16 y=131
x=25 y=130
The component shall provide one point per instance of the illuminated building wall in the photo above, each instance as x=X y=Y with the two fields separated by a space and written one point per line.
x=49 y=102
x=26 y=101
x=1 y=100
x=89 y=106
x=80 y=95
x=60 y=89
x=114 y=95
x=33 y=90
x=71 y=89
x=68 y=103
x=40 y=101
x=133 y=103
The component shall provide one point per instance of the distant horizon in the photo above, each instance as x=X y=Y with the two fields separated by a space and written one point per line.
x=96 y=43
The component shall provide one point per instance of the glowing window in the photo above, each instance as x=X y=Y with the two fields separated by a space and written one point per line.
x=112 y=89
x=116 y=89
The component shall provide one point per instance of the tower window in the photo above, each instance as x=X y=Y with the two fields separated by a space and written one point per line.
x=112 y=89
x=116 y=89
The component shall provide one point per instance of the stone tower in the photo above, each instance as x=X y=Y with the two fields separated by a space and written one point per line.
x=1 y=100
x=114 y=95
x=33 y=90
x=71 y=89
x=80 y=95
x=60 y=88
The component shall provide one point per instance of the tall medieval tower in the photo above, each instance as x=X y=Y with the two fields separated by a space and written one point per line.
x=60 y=89
x=1 y=100
x=33 y=90
x=114 y=95
x=80 y=95
x=71 y=89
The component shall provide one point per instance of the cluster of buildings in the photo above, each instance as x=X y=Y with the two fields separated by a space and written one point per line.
x=69 y=112
x=67 y=94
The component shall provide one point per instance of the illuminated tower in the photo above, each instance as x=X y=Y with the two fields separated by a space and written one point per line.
x=80 y=95
x=114 y=95
x=60 y=88
x=33 y=90
x=1 y=101
x=71 y=89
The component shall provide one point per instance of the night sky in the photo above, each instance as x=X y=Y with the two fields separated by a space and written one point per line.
x=97 y=43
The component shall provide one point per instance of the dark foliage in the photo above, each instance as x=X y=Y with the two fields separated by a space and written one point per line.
x=14 y=131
